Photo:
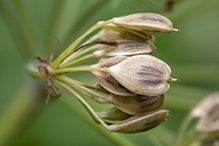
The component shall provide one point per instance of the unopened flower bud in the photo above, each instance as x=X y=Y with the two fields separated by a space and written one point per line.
x=138 y=104
x=140 y=123
x=143 y=74
x=150 y=22
x=106 y=80
x=128 y=48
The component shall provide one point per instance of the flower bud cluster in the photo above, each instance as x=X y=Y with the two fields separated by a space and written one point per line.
x=135 y=81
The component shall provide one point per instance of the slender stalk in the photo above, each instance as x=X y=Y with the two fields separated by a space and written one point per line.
x=74 y=69
x=70 y=82
x=85 y=104
x=75 y=55
x=57 y=62
x=180 y=133
x=114 y=138
x=78 y=60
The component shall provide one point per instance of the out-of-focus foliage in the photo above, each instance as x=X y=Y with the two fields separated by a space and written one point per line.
x=28 y=28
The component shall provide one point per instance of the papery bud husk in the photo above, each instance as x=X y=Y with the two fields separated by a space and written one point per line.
x=113 y=114
x=143 y=74
x=140 y=123
x=137 y=104
x=106 y=80
x=127 y=49
x=150 y=22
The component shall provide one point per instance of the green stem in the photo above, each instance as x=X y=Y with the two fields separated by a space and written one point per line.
x=77 y=60
x=21 y=112
x=74 y=69
x=181 y=132
x=85 y=104
x=59 y=60
x=114 y=138
x=75 y=55
x=70 y=82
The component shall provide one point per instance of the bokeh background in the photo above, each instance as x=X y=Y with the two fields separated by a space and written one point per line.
x=28 y=28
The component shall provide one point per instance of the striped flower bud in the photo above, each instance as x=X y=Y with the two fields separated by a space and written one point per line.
x=126 y=48
x=131 y=34
x=149 y=22
x=106 y=80
x=138 y=104
x=143 y=74
x=140 y=123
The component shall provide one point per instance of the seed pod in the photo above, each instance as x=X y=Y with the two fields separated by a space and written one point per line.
x=143 y=74
x=138 y=104
x=114 y=114
x=140 y=123
x=127 y=49
x=150 y=22
x=132 y=34
x=106 y=80
x=207 y=110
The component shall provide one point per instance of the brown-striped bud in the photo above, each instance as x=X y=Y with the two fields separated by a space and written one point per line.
x=143 y=74
x=140 y=123
x=149 y=22
x=106 y=80
x=138 y=104
x=126 y=48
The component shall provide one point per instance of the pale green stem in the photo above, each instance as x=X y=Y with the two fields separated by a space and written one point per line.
x=115 y=138
x=180 y=133
x=57 y=62
x=80 y=52
x=189 y=137
x=77 y=60
x=18 y=115
x=85 y=104
x=74 y=69
x=70 y=82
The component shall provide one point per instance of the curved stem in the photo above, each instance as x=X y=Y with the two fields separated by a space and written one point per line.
x=77 y=60
x=74 y=69
x=80 y=52
x=180 y=133
x=85 y=104
x=59 y=60
x=71 y=82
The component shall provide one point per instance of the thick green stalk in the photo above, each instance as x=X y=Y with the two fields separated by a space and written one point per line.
x=24 y=108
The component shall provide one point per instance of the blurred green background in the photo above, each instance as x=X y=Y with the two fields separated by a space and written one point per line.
x=28 y=28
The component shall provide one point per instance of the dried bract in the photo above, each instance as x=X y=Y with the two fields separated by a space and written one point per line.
x=150 y=22
x=143 y=74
